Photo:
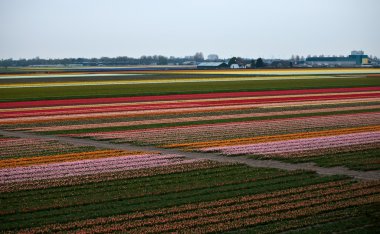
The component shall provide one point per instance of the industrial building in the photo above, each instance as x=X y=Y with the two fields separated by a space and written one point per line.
x=357 y=58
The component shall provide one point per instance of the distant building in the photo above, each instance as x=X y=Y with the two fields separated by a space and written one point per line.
x=357 y=58
x=189 y=63
x=212 y=57
x=357 y=52
x=77 y=65
x=234 y=66
x=212 y=65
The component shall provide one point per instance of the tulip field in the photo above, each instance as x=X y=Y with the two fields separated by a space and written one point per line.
x=109 y=190
x=289 y=125
x=129 y=151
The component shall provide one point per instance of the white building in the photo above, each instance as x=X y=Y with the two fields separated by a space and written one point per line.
x=234 y=66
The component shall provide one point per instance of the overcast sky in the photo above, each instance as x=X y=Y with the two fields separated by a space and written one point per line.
x=246 y=28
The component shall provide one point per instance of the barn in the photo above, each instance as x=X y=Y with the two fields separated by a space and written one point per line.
x=212 y=65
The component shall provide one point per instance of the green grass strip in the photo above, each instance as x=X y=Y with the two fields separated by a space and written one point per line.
x=45 y=93
x=122 y=206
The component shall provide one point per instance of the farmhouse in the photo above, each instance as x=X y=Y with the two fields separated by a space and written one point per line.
x=212 y=65
x=234 y=66
x=357 y=58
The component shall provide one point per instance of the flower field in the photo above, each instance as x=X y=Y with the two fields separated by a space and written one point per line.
x=288 y=125
x=55 y=85
x=141 y=192
x=24 y=149
x=128 y=152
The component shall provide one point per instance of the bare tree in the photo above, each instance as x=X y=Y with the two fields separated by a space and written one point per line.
x=199 y=57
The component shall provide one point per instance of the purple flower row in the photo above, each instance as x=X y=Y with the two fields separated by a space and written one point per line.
x=298 y=144
x=238 y=129
x=85 y=167
x=22 y=146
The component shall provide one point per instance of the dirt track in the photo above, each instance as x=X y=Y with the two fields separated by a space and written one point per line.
x=370 y=175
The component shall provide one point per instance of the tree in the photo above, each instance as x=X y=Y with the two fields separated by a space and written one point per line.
x=240 y=61
x=199 y=57
x=162 y=60
x=260 y=63
x=232 y=61
x=253 y=63
x=295 y=58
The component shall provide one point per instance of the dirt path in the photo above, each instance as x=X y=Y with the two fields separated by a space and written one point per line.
x=362 y=175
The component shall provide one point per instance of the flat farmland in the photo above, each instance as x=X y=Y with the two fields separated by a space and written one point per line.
x=214 y=151
x=42 y=86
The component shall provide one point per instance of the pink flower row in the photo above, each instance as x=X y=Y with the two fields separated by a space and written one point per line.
x=161 y=111
x=85 y=167
x=299 y=144
x=198 y=118
x=30 y=146
x=237 y=129
x=19 y=142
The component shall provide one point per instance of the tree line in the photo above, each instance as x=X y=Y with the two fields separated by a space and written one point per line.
x=106 y=61
x=124 y=60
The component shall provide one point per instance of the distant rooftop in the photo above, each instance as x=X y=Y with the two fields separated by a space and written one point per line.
x=211 y=64
x=355 y=58
x=357 y=52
